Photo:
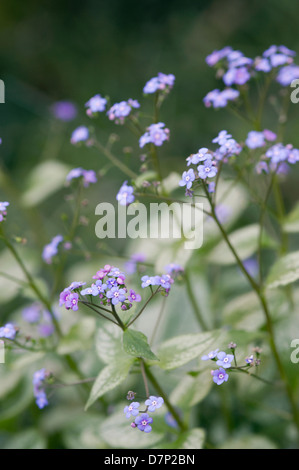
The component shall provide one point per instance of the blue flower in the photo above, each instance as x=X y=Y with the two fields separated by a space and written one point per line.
x=159 y=83
x=224 y=360
x=207 y=170
x=8 y=331
x=125 y=195
x=155 y=134
x=219 y=376
x=210 y=355
x=200 y=156
x=51 y=249
x=153 y=403
x=150 y=281
x=132 y=409
x=3 y=212
x=165 y=281
x=116 y=295
x=119 y=111
x=250 y=359
x=39 y=378
x=187 y=178
x=143 y=422
x=255 y=139
x=79 y=135
x=96 y=104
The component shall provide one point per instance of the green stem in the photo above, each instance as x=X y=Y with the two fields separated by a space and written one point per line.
x=147 y=394
x=144 y=306
x=269 y=324
x=238 y=369
x=261 y=225
x=161 y=392
x=87 y=304
x=31 y=282
x=194 y=303
x=124 y=168
x=114 y=313
x=281 y=213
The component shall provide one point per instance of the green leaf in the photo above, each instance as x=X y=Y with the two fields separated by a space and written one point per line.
x=109 y=378
x=284 y=271
x=291 y=221
x=251 y=441
x=182 y=349
x=192 y=439
x=245 y=311
x=245 y=242
x=192 y=390
x=108 y=343
x=28 y=439
x=44 y=180
x=135 y=343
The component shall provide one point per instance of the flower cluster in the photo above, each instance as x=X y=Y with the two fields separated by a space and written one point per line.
x=3 y=211
x=220 y=99
x=207 y=160
x=256 y=139
x=119 y=111
x=69 y=297
x=277 y=158
x=165 y=281
x=143 y=421
x=155 y=134
x=51 y=249
x=162 y=82
x=224 y=361
x=109 y=287
x=228 y=146
x=39 y=378
x=236 y=69
x=89 y=176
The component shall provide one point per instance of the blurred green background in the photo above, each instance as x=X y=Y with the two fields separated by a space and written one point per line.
x=62 y=50
x=71 y=50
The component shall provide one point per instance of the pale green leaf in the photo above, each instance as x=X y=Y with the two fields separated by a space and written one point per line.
x=284 y=271
x=192 y=390
x=291 y=221
x=245 y=242
x=182 y=349
x=109 y=378
x=28 y=439
x=44 y=180
x=108 y=343
x=249 y=441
